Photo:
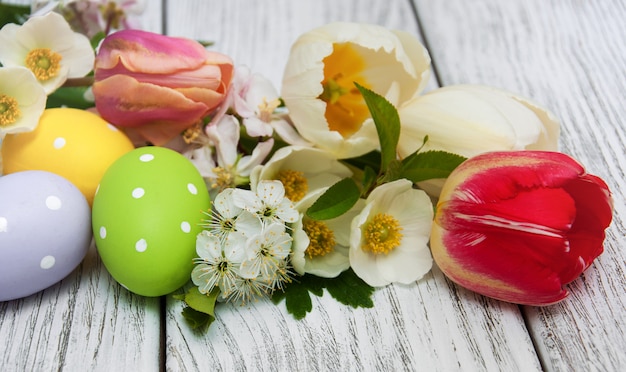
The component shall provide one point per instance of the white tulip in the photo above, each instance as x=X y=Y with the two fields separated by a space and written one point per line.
x=318 y=85
x=472 y=119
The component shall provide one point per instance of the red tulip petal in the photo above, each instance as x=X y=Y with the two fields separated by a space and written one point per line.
x=517 y=226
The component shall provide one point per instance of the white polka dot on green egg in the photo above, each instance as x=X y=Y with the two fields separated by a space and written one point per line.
x=146 y=215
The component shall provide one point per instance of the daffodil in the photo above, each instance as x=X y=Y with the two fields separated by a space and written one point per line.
x=389 y=238
x=318 y=86
x=301 y=170
x=22 y=100
x=48 y=47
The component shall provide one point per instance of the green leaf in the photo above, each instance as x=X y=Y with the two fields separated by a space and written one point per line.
x=347 y=289
x=11 y=13
x=387 y=123
x=371 y=159
x=369 y=179
x=351 y=290
x=296 y=296
x=200 y=310
x=337 y=200
x=73 y=97
x=430 y=164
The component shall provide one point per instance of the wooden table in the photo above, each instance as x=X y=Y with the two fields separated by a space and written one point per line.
x=568 y=55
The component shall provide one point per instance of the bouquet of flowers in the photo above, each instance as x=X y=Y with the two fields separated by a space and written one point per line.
x=350 y=178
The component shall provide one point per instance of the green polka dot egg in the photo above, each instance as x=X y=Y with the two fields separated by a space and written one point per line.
x=146 y=214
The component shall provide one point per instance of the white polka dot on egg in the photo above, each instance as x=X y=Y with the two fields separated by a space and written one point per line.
x=138 y=192
x=141 y=245
x=4 y=224
x=146 y=158
x=53 y=203
x=185 y=226
x=47 y=262
x=59 y=143
x=192 y=188
x=103 y=232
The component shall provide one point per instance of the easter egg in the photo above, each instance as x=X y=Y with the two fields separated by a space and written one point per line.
x=146 y=215
x=76 y=144
x=45 y=231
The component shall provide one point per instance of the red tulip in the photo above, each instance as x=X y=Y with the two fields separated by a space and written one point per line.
x=157 y=86
x=517 y=226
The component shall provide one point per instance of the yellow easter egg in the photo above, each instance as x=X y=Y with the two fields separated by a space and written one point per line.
x=75 y=144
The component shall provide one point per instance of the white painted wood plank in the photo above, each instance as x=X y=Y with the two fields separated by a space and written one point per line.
x=87 y=322
x=571 y=57
x=431 y=325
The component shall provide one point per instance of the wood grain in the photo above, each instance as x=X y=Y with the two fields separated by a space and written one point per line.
x=570 y=57
x=85 y=322
x=431 y=325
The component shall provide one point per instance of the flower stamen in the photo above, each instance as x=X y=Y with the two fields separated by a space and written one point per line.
x=382 y=234
x=223 y=179
x=9 y=110
x=44 y=63
x=296 y=185
x=322 y=238
x=266 y=109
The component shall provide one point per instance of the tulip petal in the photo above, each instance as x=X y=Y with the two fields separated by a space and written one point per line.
x=140 y=50
x=163 y=113
x=517 y=226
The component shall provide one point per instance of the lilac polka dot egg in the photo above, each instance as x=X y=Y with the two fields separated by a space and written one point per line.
x=147 y=212
x=45 y=231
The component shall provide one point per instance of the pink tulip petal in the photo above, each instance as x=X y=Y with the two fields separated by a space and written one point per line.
x=149 y=52
x=163 y=108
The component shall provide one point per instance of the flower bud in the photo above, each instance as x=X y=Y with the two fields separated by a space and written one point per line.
x=517 y=226
x=471 y=119
x=157 y=86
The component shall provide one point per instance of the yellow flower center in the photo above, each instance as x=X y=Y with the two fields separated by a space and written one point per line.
x=295 y=184
x=322 y=239
x=345 y=108
x=9 y=110
x=223 y=179
x=44 y=63
x=382 y=234
x=266 y=109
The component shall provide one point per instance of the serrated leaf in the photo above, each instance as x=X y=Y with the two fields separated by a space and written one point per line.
x=296 y=295
x=197 y=319
x=387 y=123
x=351 y=290
x=337 y=200
x=347 y=289
x=427 y=165
x=200 y=310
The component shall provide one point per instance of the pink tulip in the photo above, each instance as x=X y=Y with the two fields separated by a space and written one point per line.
x=518 y=226
x=157 y=86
